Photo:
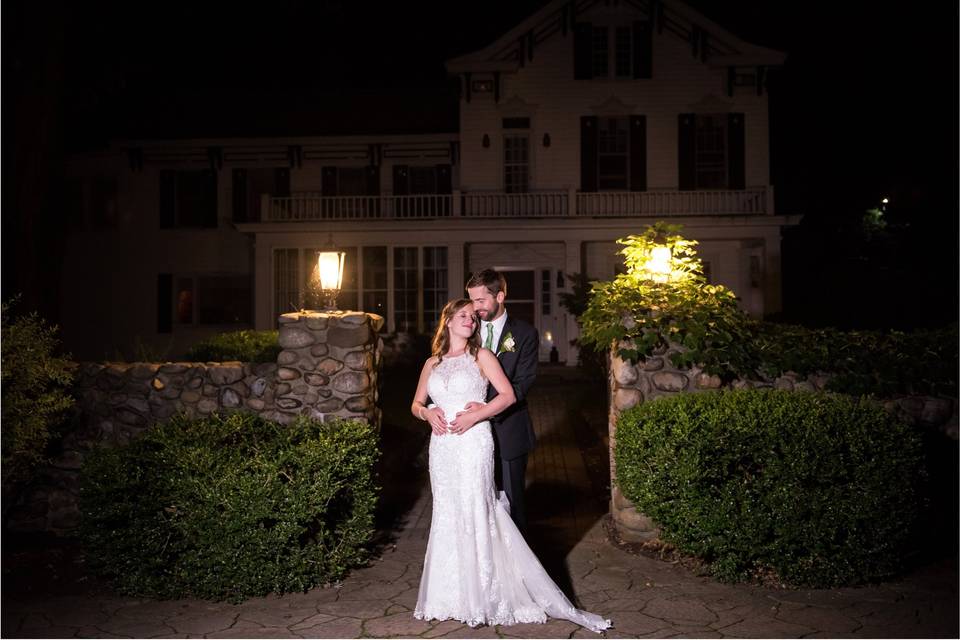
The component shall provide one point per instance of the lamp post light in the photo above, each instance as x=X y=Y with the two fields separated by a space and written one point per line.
x=330 y=271
x=659 y=266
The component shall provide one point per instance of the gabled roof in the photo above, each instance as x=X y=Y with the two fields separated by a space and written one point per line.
x=718 y=47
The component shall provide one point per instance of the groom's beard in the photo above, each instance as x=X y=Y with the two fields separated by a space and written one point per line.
x=488 y=316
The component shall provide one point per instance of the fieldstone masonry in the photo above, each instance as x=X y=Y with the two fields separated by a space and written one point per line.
x=329 y=367
x=656 y=377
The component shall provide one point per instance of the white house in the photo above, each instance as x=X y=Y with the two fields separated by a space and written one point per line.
x=583 y=124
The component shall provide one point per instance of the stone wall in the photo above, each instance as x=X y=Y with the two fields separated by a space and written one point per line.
x=656 y=377
x=329 y=367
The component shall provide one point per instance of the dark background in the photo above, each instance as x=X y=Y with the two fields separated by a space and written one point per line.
x=864 y=108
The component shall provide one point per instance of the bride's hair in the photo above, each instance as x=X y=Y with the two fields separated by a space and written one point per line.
x=441 y=338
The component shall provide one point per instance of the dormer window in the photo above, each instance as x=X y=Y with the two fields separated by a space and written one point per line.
x=612 y=51
x=619 y=57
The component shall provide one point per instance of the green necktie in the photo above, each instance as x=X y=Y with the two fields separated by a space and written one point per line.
x=489 y=343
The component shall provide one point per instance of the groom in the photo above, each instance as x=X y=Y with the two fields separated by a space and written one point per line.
x=517 y=346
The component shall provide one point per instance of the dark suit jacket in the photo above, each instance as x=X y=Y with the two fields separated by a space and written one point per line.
x=513 y=428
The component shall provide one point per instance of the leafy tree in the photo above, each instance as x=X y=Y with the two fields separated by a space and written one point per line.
x=645 y=309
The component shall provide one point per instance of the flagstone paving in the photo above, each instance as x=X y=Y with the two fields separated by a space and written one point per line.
x=644 y=597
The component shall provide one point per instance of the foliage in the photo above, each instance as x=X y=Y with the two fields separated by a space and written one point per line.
x=243 y=346
x=230 y=507
x=820 y=488
x=880 y=363
x=641 y=315
x=35 y=390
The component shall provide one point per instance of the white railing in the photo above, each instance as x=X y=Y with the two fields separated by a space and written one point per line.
x=313 y=207
x=542 y=204
x=672 y=203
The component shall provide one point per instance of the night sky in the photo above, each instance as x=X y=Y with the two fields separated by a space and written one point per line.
x=864 y=108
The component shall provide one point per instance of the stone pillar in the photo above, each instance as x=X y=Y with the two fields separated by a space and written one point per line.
x=329 y=366
x=626 y=388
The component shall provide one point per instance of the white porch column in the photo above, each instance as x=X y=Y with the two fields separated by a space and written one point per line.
x=263 y=316
x=573 y=263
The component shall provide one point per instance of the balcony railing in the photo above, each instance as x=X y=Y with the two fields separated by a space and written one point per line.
x=538 y=204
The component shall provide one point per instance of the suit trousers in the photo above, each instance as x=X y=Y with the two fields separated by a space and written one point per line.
x=511 y=478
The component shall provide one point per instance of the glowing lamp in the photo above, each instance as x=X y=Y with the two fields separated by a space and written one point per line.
x=330 y=270
x=659 y=264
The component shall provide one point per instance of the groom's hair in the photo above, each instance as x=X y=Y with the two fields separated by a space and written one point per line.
x=492 y=280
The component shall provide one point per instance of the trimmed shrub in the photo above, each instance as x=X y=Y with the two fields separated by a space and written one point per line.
x=36 y=383
x=820 y=488
x=230 y=507
x=244 y=346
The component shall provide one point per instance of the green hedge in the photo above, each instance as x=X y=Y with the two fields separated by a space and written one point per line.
x=245 y=346
x=230 y=507
x=820 y=488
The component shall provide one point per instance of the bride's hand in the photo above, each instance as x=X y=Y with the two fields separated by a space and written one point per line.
x=437 y=421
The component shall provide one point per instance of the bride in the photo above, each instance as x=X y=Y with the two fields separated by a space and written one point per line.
x=478 y=568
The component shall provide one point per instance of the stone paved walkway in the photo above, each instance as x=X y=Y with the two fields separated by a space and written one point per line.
x=644 y=597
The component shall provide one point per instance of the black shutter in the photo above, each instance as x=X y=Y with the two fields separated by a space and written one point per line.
x=583 y=51
x=444 y=179
x=642 y=49
x=281 y=182
x=168 y=198
x=240 y=195
x=736 y=161
x=328 y=181
x=164 y=302
x=686 y=141
x=401 y=180
x=210 y=199
x=588 y=153
x=638 y=153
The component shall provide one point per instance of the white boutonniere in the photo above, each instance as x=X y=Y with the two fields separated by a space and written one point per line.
x=507 y=344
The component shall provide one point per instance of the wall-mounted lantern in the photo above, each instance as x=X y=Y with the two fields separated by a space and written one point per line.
x=546 y=140
x=486 y=141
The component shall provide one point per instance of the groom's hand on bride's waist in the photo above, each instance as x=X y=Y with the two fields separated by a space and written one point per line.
x=471 y=406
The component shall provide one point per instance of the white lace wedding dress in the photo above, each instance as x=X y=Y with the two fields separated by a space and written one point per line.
x=478 y=568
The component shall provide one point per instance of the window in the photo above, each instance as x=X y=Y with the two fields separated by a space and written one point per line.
x=286 y=290
x=710 y=155
x=188 y=198
x=613 y=154
x=516 y=163
x=405 y=288
x=623 y=52
x=601 y=52
x=213 y=300
x=423 y=180
x=545 y=292
x=374 y=280
x=349 y=286
x=620 y=51
x=435 y=290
